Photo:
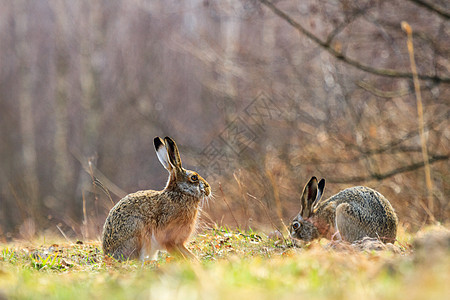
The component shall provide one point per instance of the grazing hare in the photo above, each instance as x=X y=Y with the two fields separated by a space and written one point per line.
x=147 y=221
x=352 y=214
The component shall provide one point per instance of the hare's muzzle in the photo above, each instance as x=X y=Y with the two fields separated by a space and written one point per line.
x=205 y=188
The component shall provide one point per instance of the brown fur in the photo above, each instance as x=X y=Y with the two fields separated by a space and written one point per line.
x=146 y=221
x=324 y=228
x=354 y=213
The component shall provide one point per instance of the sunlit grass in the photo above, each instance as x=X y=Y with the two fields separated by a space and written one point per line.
x=234 y=265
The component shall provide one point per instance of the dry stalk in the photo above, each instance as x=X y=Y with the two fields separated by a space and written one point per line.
x=229 y=208
x=241 y=190
x=276 y=194
x=63 y=234
x=264 y=207
x=429 y=184
x=85 y=220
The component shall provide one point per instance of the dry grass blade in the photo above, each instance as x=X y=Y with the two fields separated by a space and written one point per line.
x=429 y=184
x=228 y=205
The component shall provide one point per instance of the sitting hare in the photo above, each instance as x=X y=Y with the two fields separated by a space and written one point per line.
x=351 y=214
x=146 y=221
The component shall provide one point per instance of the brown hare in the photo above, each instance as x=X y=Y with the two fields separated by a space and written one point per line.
x=351 y=214
x=147 y=221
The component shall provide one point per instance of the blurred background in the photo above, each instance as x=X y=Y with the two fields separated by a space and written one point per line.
x=258 y=97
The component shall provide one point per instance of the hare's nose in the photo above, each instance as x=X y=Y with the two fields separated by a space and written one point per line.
x=206 y=189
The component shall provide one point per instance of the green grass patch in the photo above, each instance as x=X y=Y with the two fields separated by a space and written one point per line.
x=234 y=265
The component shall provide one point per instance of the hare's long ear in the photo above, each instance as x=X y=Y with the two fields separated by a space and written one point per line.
x=161 y=152
x=321 y=187
x=174 y=154
x=308 y=197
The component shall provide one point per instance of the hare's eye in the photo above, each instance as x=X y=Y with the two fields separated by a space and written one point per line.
x=194 y=178
x=295 y=225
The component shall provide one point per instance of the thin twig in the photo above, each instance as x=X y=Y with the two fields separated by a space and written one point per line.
x=427 y=210
x=383 y=94
x=226 y=202
x=266 y=211
x=276 y=194
x=103 y=188
x=338 y=29
x=402 y=150
x=381 y=176
x=64 y=235
x=111 y=186
x=432 y=7
x=339 y=55
x=395 y=143
x=241 y=190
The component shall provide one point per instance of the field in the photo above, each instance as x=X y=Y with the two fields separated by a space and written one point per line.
x=233 y=265
x=259 y=95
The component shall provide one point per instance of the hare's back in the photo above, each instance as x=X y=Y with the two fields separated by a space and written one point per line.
x=130 y=214
x=365 y=198
x=368 y=213
x=140 y=204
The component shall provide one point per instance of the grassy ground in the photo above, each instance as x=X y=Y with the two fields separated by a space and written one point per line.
x=234 y=265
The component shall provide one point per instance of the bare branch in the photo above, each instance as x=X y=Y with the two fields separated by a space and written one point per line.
x=432 y=7
x=381 y=176
x=389 y=147
x=382 y=94
x=338 y=29
x=327 y=47
x=399 y=150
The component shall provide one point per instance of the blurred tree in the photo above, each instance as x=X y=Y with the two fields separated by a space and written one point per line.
x=259 y=95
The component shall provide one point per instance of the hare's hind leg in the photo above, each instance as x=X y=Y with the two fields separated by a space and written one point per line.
x=349 y=223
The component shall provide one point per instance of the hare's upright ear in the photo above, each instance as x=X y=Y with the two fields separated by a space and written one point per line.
x=161 y=152
x=321 y=187
x=172 y=151
x=308 y=197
